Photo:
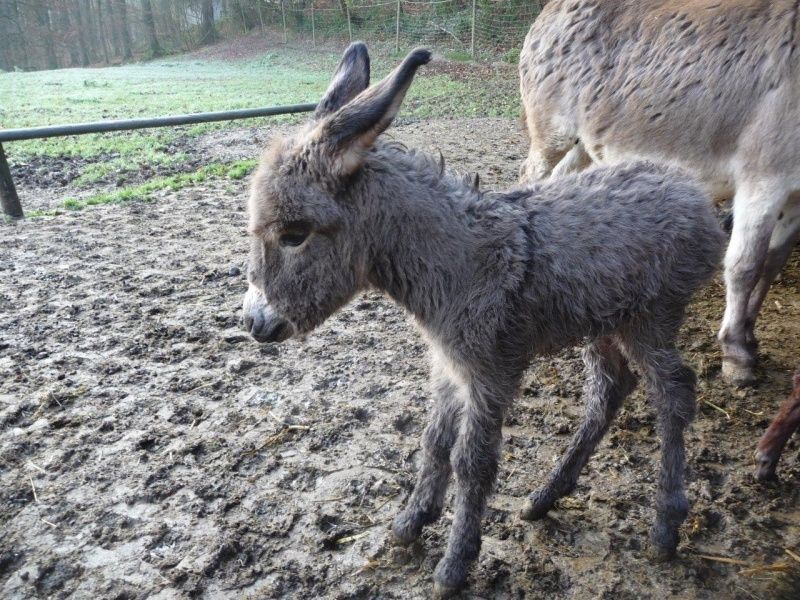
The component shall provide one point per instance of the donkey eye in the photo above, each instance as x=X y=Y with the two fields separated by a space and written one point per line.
x=294 y=235
x=292 y=239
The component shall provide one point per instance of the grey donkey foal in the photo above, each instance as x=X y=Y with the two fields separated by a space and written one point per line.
x=610 y=257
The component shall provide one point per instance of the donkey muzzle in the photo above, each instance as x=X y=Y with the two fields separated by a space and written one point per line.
x=262 y=321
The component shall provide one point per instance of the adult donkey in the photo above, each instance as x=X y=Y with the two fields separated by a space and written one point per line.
x=712 y=86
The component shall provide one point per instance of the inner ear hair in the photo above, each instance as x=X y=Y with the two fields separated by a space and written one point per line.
x=350 y=78
x=351 y=131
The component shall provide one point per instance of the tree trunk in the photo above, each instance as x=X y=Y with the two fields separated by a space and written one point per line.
x=14 y=40
x=208 y=32
x=46 y=30
x=124 y=29
x=80 y=24
x=113 y=27
x=149 y=22
x=101 y=32
x=69 y=35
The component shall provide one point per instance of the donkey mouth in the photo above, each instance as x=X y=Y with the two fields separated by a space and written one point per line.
x=263 y=322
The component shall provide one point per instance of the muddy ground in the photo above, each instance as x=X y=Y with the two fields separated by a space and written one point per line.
x=150 y=449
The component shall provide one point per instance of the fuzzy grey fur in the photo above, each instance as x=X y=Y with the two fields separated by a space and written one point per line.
x=711 y=86
x=608 y=258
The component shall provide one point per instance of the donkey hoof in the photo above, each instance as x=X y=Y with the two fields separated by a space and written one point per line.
x=441 y=591
x=405 y=530
x=450 y=577
x=535 y=508
x=663 y=546
x=765 y=467
x=737 y=374
x=662 y=554
x=402 y=539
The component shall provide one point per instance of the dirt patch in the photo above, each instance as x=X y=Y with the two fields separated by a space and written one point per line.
x=45 y=172
x=241 y=47
x=149 y=448
x=468 y=71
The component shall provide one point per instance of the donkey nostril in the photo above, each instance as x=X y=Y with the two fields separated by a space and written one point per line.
x=253 y=322
x=256 y=322
x=276 y=330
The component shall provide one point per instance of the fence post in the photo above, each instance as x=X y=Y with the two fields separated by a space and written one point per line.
x=472 y=42
x=313 y=27
x=349 y=27
x=283 y=16
x=397 y=30
x=8 y=193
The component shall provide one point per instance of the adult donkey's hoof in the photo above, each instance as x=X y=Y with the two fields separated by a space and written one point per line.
x=737 y=372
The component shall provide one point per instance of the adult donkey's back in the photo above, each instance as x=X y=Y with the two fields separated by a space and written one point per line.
x=709 y=85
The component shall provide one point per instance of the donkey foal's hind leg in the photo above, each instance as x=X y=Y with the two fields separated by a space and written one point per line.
x=671 y=389
x=425 y=504
x=608 y=382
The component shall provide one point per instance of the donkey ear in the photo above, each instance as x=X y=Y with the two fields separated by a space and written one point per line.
x=350 y=132
x=349 y=80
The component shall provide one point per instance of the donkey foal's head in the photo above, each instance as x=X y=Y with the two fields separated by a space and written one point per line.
x=307 y=255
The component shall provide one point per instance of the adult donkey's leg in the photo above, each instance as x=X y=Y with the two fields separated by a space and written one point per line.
x=548 y=147
x=783 y=240
x=425 y=504
x=756 y=208
x=474 y=458
x=608 y=382
x=577 y=159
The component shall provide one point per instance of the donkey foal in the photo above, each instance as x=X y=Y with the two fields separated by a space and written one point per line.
x=611 y=256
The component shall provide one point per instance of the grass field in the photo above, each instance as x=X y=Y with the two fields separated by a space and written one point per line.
x=195 y=84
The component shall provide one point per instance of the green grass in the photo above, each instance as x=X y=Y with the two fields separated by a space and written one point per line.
x=459 y=55
x=144 y=90
x=187 y=85
x=511 y=56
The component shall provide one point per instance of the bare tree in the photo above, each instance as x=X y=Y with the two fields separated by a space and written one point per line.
x=46 y=31
x=208 y=32
x=154 y=48
x=123 y=29
x=80 y=25
x=13 y=44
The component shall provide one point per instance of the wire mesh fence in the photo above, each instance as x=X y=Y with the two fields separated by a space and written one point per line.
x=464 y=29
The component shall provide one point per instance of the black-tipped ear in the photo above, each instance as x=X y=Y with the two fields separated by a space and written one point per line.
x=353 y=128
x=349 y=80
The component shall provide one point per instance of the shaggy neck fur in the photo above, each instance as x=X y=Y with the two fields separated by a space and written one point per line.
x=428 y=234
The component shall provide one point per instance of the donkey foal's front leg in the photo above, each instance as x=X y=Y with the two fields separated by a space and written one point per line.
x=474 y=458
x=425 y=503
